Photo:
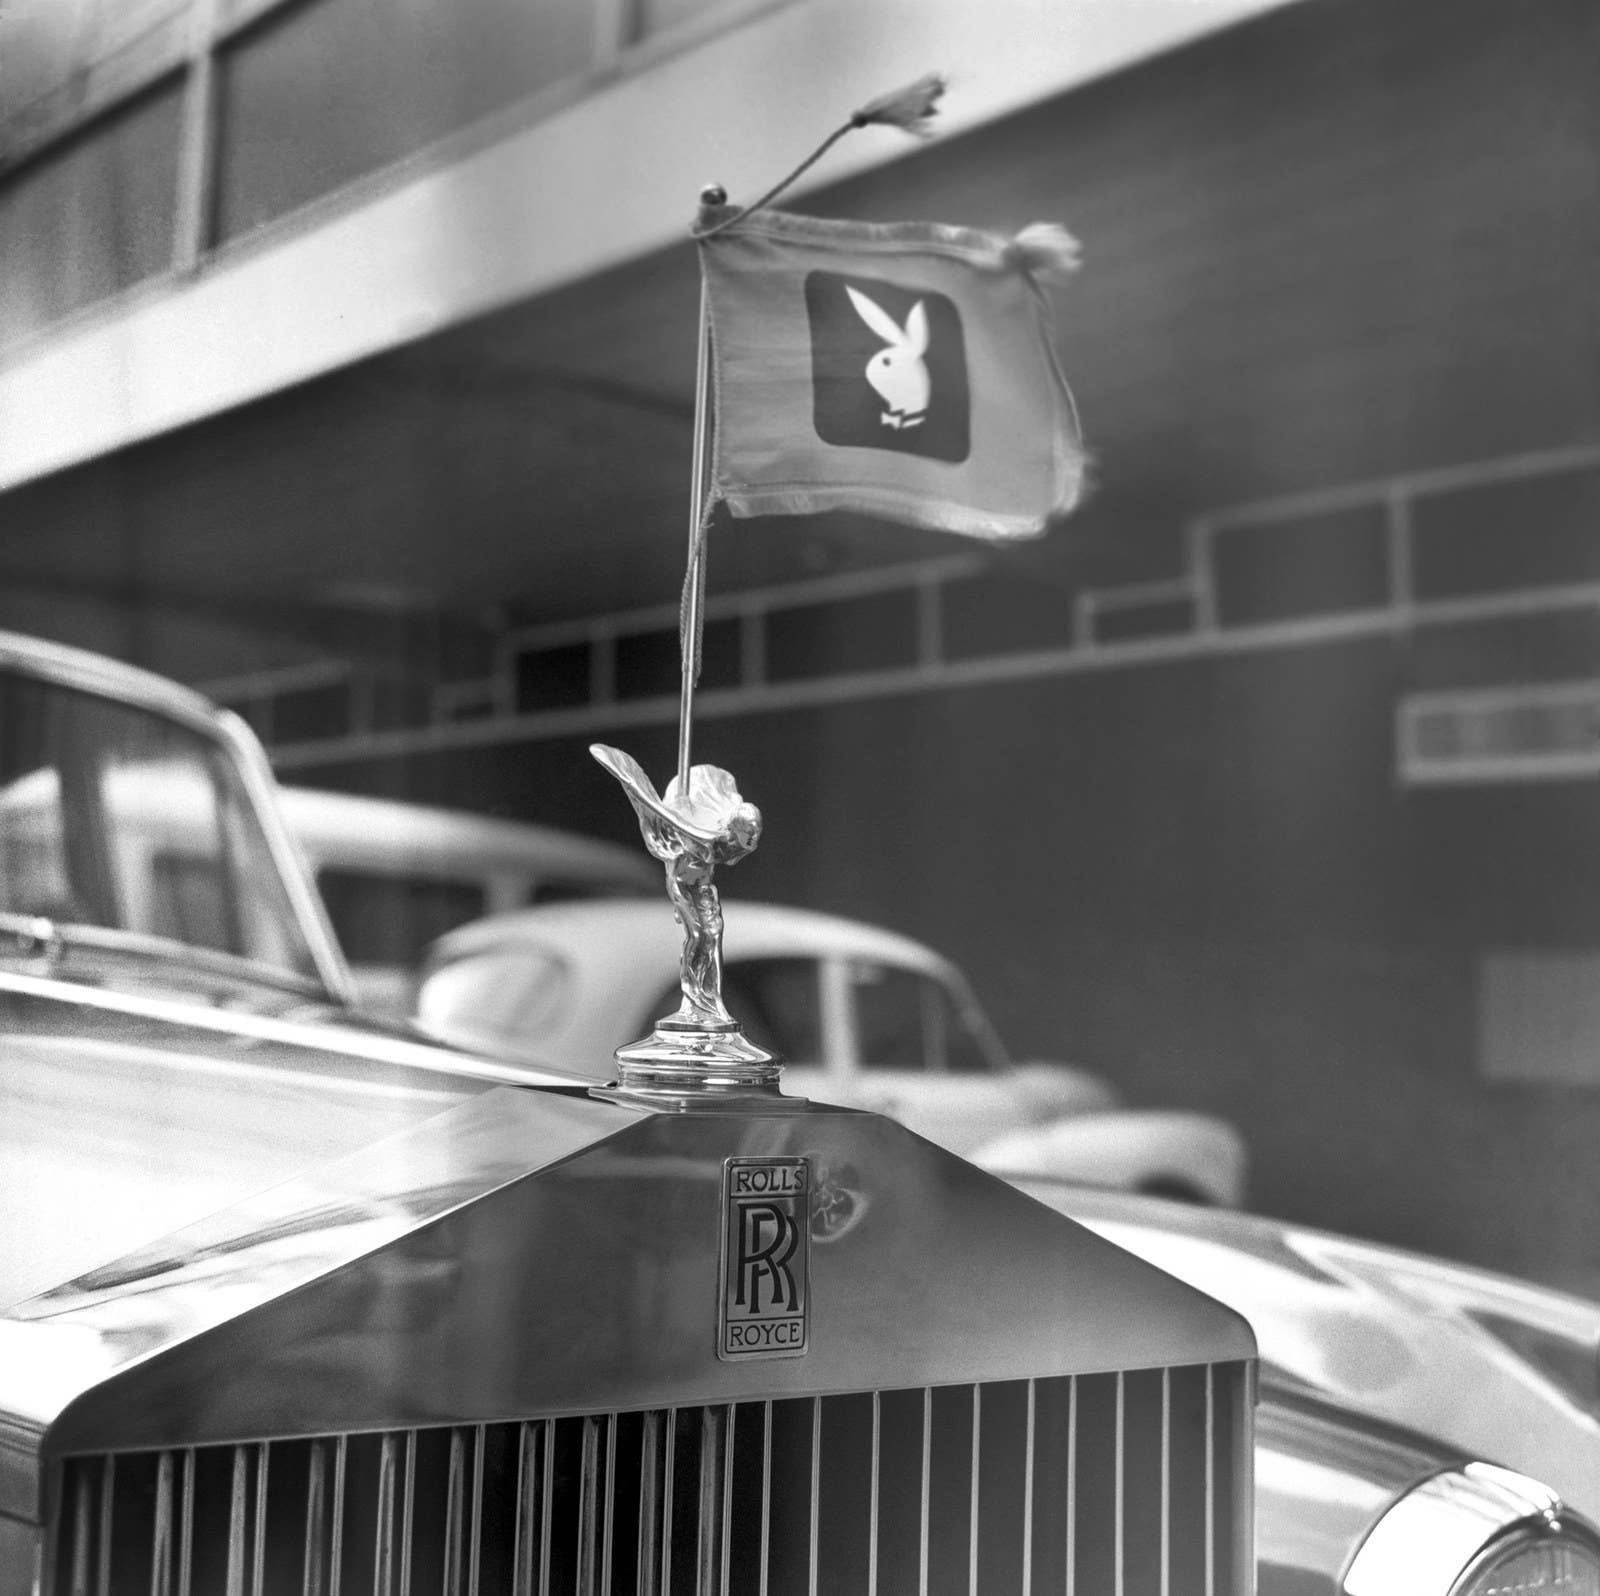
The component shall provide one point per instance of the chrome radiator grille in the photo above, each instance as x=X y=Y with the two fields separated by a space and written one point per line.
x=1096 y=1485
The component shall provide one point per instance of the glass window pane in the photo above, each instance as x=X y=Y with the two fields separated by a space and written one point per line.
x=388 y=919
x=403 y=74
x=118 y=819
x=174 y=876
x=188 y=899
x=892 y=1017
x=964 y=1052
x=33 y=855
x=91 y=215
x=776 y=1002
x=906 y=1020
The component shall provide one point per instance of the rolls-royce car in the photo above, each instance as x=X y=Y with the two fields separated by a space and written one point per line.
x=293 y=1300
x=861 y=1015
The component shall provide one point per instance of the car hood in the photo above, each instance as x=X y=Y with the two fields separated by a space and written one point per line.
x=539 y=1252
x=1503 y=1370
x=123 y=1117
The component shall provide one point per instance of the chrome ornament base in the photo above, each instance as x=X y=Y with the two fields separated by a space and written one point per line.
x=678 y=1055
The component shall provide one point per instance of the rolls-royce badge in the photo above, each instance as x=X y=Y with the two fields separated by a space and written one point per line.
x=766 y=1258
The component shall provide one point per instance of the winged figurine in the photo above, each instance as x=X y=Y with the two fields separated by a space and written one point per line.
x=692 y=832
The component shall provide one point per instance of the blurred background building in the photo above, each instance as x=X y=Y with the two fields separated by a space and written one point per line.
x=346 y=367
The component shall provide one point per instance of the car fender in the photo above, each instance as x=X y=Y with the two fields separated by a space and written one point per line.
x=1160 y=1150
x=1048 y=1090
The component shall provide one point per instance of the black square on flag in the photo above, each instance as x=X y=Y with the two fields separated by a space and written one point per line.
x=888 y=367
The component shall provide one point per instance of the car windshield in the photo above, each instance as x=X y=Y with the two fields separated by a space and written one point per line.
x=390 y=917
x=122 y=825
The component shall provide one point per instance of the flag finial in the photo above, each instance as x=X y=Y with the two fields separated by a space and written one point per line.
x=911 y=108
x=714 y=208
x=1045 y=250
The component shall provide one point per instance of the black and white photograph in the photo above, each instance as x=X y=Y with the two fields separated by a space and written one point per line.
x=799 y=798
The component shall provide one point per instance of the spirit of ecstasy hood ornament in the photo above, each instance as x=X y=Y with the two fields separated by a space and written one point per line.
x=692 y=832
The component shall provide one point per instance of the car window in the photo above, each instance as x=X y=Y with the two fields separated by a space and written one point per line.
x=560 y=889
x=906 y=1020
x=189 y=899
x=777 y=1003
x=389 y=919
x=116 y=818
x=964 y=1052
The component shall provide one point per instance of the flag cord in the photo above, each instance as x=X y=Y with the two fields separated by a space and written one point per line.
x=691 y=610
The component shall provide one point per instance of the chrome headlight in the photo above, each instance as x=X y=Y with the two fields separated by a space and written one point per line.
x=1477 y=1531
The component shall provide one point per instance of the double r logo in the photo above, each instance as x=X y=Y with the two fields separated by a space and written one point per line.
x=768 y=1237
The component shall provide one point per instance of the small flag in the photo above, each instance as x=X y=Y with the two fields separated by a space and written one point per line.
x=904 y=370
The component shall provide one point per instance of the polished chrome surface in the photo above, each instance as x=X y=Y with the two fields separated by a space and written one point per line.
x=1345 y=1507
x=699 y=823
x=808 y=1494
x=1432 y=1536
x=125 y=1118
x=1321 y=1482
x=1389 y=1337
x=156 y=1313
x=310 y=1028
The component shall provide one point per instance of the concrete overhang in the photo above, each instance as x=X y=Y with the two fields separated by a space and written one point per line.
x=547 y=197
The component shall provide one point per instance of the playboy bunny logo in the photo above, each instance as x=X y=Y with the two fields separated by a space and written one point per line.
x=898 y=373
x=888 y=367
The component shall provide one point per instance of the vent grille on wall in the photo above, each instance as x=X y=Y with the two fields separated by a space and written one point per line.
x=1546 y=731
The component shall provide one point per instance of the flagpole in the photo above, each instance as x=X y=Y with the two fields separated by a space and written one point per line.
x=692 y=619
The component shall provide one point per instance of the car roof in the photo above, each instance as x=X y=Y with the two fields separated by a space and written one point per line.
x=95 y=673
x=345 y=828
x=644 y=930
x=619 y=957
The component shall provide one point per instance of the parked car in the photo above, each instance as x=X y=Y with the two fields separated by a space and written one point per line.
x=394 y=876
x=291 y=1301
x=1505 y=1369
x=863 y=1016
